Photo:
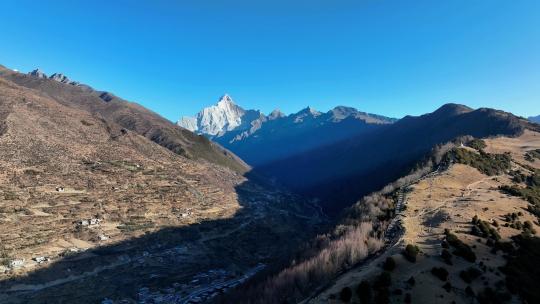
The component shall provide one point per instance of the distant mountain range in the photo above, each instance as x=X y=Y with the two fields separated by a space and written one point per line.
x=535 y=119
x=343 y=154
x=260 y=139
x=345 y=171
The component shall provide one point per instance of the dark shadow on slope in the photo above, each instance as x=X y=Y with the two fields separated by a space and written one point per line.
x=170 y=257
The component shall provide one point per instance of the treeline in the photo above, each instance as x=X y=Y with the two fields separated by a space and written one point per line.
x=300 y=280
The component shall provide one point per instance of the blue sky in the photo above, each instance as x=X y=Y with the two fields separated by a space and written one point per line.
x=387 y=57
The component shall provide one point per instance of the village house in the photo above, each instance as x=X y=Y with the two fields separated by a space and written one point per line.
x=16 y=263
x=89 y=222
x=41 y=259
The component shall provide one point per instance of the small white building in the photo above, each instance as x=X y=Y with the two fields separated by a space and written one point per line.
x=41 y=259
x=89 y=222
x=95 y=221
x=16 y=263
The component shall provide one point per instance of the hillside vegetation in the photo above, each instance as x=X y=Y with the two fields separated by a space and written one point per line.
x=461 y=238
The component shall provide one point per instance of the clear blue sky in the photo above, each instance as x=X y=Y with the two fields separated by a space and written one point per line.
x=387 y=57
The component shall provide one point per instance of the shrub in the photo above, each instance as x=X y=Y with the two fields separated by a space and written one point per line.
x=446 y=256
x=477 y=144
x=411 y=281
x=346 y=294
x=408 y=298
x=490 y=296
x=447 y=286
x=364 y=292
x=531 y=155
x=506 y=247
x=444 y=244
x=380 y=286
x=489 y=164
x=5 y=262
x=382 y=296
x=531 y=193
x=383 y=280
x=522 y=274
x=470 y=274
x=440 y=272
x=389 y=264
x=482 y=228
x=411 y=252
x=461 y=249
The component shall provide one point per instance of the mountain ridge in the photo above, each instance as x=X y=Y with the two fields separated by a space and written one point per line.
x=342 y=172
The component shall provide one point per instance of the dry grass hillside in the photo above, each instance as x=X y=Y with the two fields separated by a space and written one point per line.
x=466 y=236
x=91 y=208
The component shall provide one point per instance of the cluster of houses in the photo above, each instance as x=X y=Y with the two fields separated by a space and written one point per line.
x=186 y=213
x=18 y=263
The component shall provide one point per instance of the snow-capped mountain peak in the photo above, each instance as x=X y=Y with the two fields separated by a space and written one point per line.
x=225 y=100
x=276 y=114
x=224 y=116
x=306 y=113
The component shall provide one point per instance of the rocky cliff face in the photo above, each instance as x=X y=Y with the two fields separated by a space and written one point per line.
x=37 y=73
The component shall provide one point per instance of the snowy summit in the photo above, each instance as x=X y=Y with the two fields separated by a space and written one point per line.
x=214 y=120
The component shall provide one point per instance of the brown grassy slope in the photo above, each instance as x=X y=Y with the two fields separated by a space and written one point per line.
x=46 y=145
x=130 y=116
